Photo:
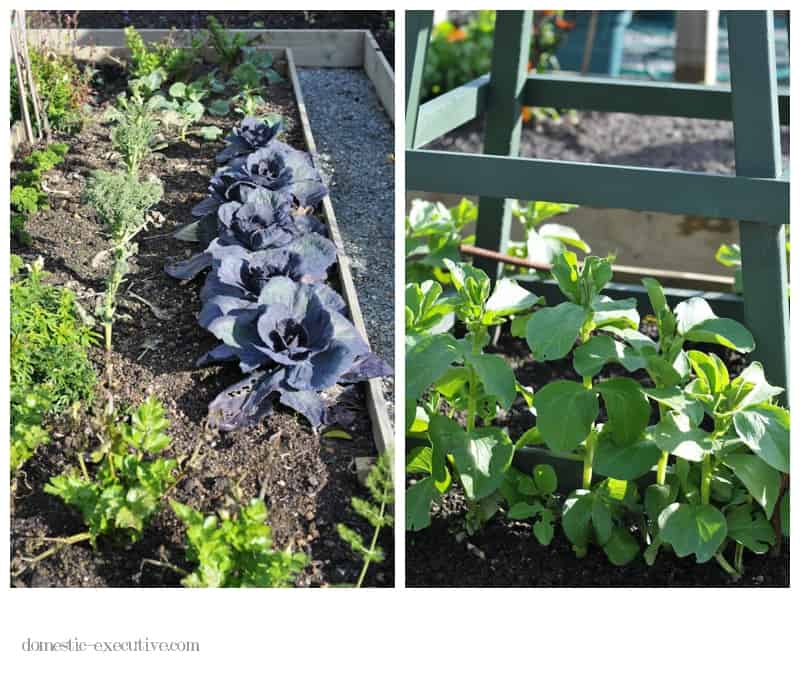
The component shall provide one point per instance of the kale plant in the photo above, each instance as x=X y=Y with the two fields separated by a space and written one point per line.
x=122 y=202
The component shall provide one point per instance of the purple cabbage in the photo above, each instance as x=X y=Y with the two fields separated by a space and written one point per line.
x=251 y=135
x=263 y=221
x=294 y=341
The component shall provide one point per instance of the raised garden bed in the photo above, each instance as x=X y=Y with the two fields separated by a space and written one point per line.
x=307 y=480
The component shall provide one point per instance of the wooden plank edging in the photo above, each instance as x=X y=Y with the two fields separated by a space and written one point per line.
x=382 y=431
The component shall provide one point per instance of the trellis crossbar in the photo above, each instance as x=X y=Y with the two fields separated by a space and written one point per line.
x=468 y=102
x=758 y=196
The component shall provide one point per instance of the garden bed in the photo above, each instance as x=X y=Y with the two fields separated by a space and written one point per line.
x=505 y=552
x=306 y=480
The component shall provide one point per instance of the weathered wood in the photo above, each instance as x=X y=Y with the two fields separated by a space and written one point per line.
x=311 y=47
x=636 y=188
x=380 y=73
x=382 y=432
x=696 y=42
x=751 y=41
x=614 y=95
x=23 y=94
x=510 y=54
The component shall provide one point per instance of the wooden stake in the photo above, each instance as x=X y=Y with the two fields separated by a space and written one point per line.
x=42 y=122
x=23 y=94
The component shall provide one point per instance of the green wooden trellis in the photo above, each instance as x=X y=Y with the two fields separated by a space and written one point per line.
x=758 y=195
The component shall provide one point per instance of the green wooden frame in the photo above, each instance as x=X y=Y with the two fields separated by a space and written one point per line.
x=758 y=195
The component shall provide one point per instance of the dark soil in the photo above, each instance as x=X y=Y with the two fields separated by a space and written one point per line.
x=381 y=23
x=506 y=553
x=620 y=139
x=306 y=480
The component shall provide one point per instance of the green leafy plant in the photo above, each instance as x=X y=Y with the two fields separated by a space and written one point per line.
x=121 y=201
x=49 y=366
x=452 y=379
x=129 y=479
x=433 y=234
x=376 y=512
x=228 y=47
x=183 y=109
x=27 y=429
x=235 y=550
x=544 y=243
x=172 y=61
x=135 y=134
x=61 y=86
x=27 y=194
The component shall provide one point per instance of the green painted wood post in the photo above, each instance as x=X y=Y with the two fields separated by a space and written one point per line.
x=510 y=54
x=418 y=33
x=751 y=43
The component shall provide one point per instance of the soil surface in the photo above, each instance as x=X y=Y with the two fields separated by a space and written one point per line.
x=306 y=480
x=620 y=139
x=506 y=553
x=381 y=23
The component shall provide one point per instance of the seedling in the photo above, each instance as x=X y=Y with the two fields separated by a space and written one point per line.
x=235 y=549
x=376 y=512
x=183 y=110
x=129 y=478
x=449 y=377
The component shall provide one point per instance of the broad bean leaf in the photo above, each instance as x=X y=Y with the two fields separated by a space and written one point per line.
x=627 y=407
x=751 y=529
x=765 y=430
x=624 y=462
x=551 y=332
x=698 y=529
x=762 y=481
x=565 y=414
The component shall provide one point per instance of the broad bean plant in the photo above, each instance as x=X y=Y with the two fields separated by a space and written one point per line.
x=676 y=453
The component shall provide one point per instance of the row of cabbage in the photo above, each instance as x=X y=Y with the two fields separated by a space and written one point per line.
x=265 y=296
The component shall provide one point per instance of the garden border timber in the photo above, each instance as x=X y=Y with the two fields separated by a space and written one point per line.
x=312 y=48
x=382 y=431
x=758 y=196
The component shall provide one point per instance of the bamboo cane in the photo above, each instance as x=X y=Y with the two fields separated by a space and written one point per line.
x=42 y=121
x=23 y=94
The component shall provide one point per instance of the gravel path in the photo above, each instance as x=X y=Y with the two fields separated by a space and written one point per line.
x=355 y=139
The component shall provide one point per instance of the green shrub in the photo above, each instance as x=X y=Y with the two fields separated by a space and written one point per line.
x=146 y=59
x=458 y=54
x=50 y=369
x=61 y=86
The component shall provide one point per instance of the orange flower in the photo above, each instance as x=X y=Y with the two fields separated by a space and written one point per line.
x=526 y=114
x=563 y=24
x=457 y=35
x=548 y=12
x=530 y=65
